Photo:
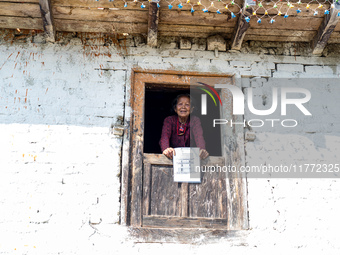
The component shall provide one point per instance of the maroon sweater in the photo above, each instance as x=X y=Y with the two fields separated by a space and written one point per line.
x=170 y=137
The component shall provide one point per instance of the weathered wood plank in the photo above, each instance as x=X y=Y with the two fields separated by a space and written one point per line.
x=160 y=159
x=126 y=15
x=48 y=22
x=334 y=40
x=136 y=160
x=20 y=22
x=337 y=27
x=137 y=181
x=208 y=199
x=291 y=23
x=197 y=18
x=193 y=29
x=325 y=30
x=86 y=14
x=98 y=4
x=278 y=38
x=125 y=175
x=194 y=35
x=233 y=151
x=335 y=35
x=135 y=5
x=269 y=6
x=242 y=27
x=20 y=10
x=183 y=222
x=280 y=32
x=166 y=195
x=185 y=198
x=105 y=27
x=190 y=236
x=21 y=1
x=153 y=24
x=157 y=159
x=146 y=188
x=136 y=28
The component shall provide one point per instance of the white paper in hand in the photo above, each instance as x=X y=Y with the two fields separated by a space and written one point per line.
x=186 y=164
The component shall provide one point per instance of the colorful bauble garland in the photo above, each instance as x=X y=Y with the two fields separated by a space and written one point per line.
x=259 y=9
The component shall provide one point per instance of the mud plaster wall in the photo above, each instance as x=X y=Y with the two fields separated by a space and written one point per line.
x=62 y=111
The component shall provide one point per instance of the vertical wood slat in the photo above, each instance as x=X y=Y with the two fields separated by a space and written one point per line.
x=326 y=29
x=233 y=152
x=153 y=24
x=185 y=194
x=136 y=160
x=47 y=17
x=126 y=156
x=146 y=188
x=136 y=182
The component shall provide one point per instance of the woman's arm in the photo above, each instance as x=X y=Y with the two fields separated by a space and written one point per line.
x=165 y=138
x=197 y=131
x=198 y=136
x=166 y=134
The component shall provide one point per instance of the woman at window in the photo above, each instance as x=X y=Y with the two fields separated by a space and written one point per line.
x=176 y=128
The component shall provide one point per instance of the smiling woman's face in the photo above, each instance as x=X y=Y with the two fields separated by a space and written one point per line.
x=183 y=108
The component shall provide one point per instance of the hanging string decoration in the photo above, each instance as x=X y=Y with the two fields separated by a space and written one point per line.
x=257 y=10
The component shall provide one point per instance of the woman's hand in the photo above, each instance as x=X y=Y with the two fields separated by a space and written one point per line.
x=169 y=152
x=203 y=154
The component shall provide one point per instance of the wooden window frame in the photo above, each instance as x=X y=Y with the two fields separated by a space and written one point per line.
x=132 y=160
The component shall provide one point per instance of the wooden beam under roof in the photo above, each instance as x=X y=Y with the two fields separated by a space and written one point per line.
x=153 y=23
x=242 y=25
x=326 y=29
x=47 y=17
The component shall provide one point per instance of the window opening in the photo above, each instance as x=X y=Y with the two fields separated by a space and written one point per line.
x=158 y=101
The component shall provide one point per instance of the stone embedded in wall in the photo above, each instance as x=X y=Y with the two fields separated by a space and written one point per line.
x=76 y=41
x=127 y=42
x=291 y=68
x=199 y=44
x=185 y=44
x=139 y=40
x=331 y=50
x=240 y=64
x=216 y=42
x=39 y=38
x=277 y=48
x=250 y=136
x=167 y=43
x=95 y=42
x=320 y=70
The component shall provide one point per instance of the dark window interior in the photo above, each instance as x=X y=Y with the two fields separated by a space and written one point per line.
x=158 y=101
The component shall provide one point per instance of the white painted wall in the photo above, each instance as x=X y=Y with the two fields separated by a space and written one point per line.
x=60 y=158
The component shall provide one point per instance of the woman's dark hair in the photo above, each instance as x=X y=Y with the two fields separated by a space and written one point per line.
x=175 y=101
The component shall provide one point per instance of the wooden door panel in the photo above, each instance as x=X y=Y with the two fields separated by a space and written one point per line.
x=170 y=204
x=161 y=195
x=208 y=198
x=165 y=194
